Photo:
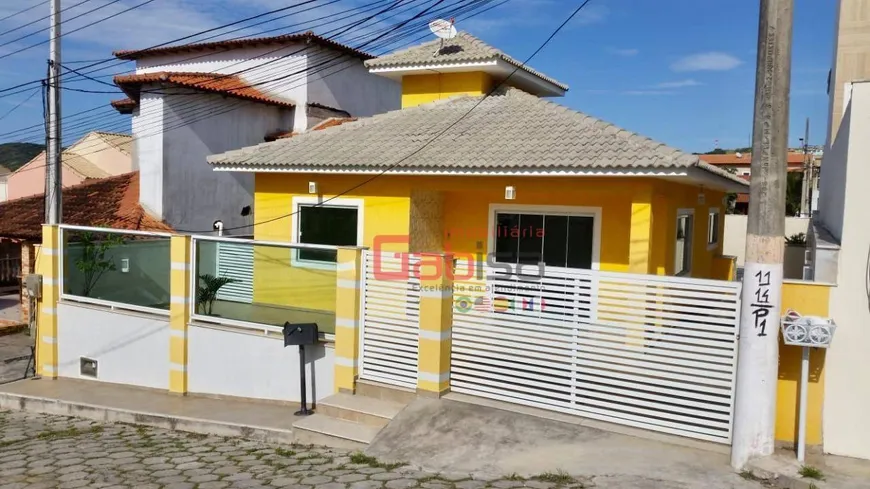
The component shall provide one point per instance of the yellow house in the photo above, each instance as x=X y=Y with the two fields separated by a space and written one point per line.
x=477 y=161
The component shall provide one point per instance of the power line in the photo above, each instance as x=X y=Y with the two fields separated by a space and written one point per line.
x=427 y=143
x=10 y=31
x=28 y=9
x=134 y=7
x=13 y=109
x=467 y=8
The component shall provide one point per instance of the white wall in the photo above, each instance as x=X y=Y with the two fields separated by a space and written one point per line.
x=148 y=152
x=249 y=364
x=346 y=84
x=2 y=190
x=833 y=179
x=130 y=348
x=847 y=390
x=734 y=243
x=194 y=195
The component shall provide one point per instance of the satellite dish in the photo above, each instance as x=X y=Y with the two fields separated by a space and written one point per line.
x=443 y=28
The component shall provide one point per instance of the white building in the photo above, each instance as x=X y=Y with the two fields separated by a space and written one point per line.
x=194 y=100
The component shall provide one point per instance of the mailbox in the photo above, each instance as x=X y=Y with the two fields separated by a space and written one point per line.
x=300 y=334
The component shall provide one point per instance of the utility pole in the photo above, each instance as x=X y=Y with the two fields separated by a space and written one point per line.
x=806 y=180
x=755 y=398
x=53 y=147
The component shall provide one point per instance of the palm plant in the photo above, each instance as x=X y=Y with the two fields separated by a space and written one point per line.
x=207 y=290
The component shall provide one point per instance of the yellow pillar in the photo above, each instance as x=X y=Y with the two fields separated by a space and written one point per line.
x=347 y=318
x=640 y=239
x=49 y=267
x=436 y=322
x=179 y=311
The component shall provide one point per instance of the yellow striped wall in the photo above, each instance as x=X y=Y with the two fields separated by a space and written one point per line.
x=47 y=266
x=179 y=312
x=347 y=319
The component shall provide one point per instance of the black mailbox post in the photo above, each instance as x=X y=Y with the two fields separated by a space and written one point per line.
x=301 y=334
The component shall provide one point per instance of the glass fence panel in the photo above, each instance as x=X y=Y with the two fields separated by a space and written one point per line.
x=264 y=284
x=117 y=267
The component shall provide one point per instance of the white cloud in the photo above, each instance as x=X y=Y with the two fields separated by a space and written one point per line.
x=689 y=82
x=710 y=61
x=625 y=52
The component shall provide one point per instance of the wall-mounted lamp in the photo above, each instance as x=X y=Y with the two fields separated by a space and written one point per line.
x=702 y=197
x=510 y=192
x=312 y=188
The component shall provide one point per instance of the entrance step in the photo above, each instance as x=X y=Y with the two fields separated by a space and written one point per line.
x=360 y=409
x=386 y=392
x=320 y=429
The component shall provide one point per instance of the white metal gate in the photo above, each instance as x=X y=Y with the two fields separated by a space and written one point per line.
x=653 y=352
x=236 y=261
x=391 y=316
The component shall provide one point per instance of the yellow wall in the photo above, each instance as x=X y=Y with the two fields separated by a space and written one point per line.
x=465 y=219
x=275 y=281
x=808 y=299
x=422 y=89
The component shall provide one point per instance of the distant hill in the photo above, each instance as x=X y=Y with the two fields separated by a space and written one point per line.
x=15 y=155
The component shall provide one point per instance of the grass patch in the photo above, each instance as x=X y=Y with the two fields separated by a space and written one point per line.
x=97 y=429
x=515 y=477
x=557 y=477
x=810 y=472
x=196 y=436
x=283 y=452
x=748 y=475
x=54 y=435
x=363 y=459
x=813 y=486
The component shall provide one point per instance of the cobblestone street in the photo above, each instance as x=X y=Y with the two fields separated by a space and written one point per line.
x=40 y=451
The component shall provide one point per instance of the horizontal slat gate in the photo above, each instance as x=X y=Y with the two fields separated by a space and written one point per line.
x=391 y=316
x=647 y=351
x=236 y=261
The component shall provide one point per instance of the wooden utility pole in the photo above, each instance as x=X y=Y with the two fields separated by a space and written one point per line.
x=53 y=147
x=755 y=401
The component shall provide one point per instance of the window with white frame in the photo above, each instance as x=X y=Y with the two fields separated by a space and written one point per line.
x=683 y=248
x=713 y=228
x=336 y=223
x=557 y=238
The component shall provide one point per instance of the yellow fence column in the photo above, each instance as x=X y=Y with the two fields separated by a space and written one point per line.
x=640 y=244
x=179 y=311
x=347 y=318
x=436 y=322
x=49 y=267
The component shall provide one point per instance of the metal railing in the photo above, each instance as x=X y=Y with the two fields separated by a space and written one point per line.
x=109 y=263
x=274 y=297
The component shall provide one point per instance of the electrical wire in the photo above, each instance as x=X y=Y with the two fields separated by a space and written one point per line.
x=28 y=9
x=426 y=144
x=134 y=7
x=13 y=109
x=379 y=36
x=10 y=31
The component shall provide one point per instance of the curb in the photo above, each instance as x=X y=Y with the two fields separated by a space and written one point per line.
x=783 y=481
x=43 y=405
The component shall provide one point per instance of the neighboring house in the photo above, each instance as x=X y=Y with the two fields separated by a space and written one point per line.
x=194 y=100
x=4 y=175
x=97 y=155
x=740 y=165
x=851 y=60
x=107 y=202
x=611 y=199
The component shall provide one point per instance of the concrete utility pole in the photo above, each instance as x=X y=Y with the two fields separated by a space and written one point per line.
x=806 y=181
x=53 y=143
x=755 y=401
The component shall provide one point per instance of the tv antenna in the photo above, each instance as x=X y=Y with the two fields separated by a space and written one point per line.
x=443 y=29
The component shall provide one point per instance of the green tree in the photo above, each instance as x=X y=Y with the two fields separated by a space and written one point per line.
x=794 y=182
x=94 y=263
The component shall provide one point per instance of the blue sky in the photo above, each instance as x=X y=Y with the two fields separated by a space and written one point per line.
x=679 y=71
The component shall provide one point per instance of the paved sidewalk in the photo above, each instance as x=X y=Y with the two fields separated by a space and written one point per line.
x=14 y=354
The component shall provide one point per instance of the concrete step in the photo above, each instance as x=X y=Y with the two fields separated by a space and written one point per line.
x=320 y=429
x=360 y=409
x=386 y=392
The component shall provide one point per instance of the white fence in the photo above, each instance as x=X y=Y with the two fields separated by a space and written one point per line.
x=391 y=316
x=647 y=351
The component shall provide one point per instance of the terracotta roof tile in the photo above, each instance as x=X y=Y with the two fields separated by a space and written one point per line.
x=125 y=105
x=230 y=85
x=308 y=37
x=111 y=202
x=744 y=159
